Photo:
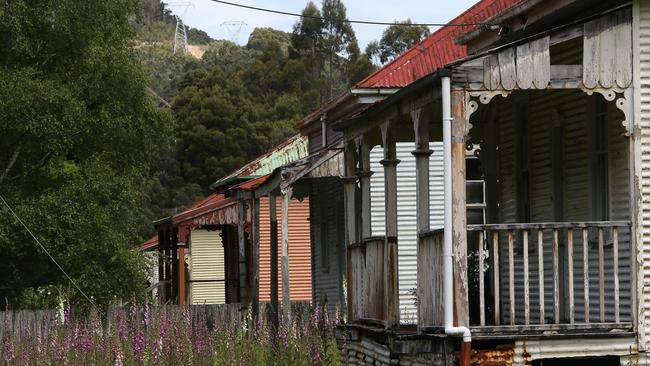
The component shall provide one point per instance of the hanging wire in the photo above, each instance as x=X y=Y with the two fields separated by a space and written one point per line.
x=353 y=21
x=92 y=303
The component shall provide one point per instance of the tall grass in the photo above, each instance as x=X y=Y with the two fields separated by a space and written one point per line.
x=174 y=336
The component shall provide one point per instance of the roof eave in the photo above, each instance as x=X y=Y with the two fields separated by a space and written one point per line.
x=401 y=94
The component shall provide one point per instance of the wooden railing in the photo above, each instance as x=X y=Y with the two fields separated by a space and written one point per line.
x=429 y=290
x=513 y=266
x=367 y=286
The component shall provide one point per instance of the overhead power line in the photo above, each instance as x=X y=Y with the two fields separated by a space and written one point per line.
x=352 y=21
x=92 y=303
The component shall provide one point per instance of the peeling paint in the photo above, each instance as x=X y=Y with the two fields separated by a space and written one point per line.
x=291 y=150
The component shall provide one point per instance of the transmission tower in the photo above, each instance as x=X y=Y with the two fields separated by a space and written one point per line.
x=234 y=27
x=180 y=37
x=179 y=9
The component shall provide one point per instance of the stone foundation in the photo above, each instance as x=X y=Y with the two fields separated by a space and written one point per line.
x=363 y=345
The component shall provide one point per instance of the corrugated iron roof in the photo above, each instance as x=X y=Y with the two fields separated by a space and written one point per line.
x=252 y=184
x=299 y=169
x=292 y=149
x=150 y=243
x=435 y=51
x=209 y=204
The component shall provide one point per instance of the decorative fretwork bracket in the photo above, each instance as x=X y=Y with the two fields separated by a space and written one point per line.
x=484 y=97
x=622 y=98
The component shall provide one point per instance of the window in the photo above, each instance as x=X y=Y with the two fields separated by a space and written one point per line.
x=599 y=160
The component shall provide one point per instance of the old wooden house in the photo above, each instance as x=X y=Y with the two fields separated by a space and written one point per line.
x=542 y=251
x=205 y=253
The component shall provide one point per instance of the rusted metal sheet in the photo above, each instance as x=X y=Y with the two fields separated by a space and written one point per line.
x=299 y=244
x=327 y=163
x=291 y=150
x=217 y=210
x=500 y=356
x=224 y=215
x=436 y=51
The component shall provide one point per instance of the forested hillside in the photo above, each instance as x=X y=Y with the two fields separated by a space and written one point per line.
x=238 y=101
x=104 y=129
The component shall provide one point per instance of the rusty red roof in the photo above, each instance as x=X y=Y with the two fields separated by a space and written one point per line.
x=435 y=51
x=209 y=204
x=253 y=183
x=150 y=243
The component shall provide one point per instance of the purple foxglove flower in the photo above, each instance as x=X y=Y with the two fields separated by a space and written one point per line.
x=8 y=351
x=67 y=313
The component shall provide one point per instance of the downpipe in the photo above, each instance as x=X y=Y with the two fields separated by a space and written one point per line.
x=447 y=261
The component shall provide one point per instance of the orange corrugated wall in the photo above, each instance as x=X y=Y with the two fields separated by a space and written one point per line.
x=299 y=250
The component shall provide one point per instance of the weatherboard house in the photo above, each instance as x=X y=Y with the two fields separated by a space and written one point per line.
x=541 y=254
x=205 y=254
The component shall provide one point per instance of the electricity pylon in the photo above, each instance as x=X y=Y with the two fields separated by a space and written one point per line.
x=234 y=28
x=179 y=9
x=180 y=37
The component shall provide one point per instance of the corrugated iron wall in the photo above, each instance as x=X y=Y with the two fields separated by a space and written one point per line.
x=327 y=223
x=406 y=214
x=299 y=250
x=572 y=106
x=207 y=268
x=642 y=80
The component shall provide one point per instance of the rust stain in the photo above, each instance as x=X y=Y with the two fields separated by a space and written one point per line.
x=528 y=358
x=286 y=152
x=500 y=356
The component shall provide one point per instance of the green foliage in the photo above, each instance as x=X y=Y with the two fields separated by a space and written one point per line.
x=227 y=115
x=237 y=102
x=227 y=56
x=197 y=36
x=361 y=68
x=307 y=32
x=78 y=133
x=328 y=48
x=261 y=37
x=396 y=39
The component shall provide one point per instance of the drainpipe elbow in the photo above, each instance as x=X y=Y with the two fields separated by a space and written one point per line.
x=459 y=332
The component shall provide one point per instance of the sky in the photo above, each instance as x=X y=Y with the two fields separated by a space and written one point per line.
x=209 y=16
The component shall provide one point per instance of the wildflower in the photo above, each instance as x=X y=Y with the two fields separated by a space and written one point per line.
x=8 y=351
x=117 y=352
x=145 y=317
x=138 y=345
x=284 y=336
x=67 y=313
x=133 y=312
x=121 y=328
x=259 y=328
x=316 y=355
x=156 y=353
x=338 y=318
